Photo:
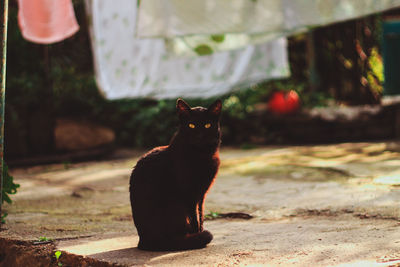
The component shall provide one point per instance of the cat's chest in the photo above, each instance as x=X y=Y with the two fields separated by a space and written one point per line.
x=197 y=167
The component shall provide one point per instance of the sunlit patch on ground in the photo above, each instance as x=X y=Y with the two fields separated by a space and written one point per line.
x=393 y=179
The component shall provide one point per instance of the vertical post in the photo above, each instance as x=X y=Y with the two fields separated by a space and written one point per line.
x=3 y=44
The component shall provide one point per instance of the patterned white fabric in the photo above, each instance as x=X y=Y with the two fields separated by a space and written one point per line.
x=128 y=67
x=171 y=18
x=188 y=24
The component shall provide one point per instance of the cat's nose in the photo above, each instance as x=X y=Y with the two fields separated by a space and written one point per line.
x=199 y=137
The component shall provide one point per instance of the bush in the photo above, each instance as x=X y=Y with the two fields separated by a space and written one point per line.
x=9 y=188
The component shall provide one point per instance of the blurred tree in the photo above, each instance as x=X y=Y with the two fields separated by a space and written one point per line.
x=349 y=62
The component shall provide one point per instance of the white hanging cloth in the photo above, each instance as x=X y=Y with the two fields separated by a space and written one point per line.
x=172 y=18
x=231 y=24
x=128 y=67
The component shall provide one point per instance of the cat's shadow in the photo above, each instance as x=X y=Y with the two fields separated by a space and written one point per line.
x=135 y=256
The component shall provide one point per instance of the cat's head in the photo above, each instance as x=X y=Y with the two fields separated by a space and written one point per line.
x=199 y=125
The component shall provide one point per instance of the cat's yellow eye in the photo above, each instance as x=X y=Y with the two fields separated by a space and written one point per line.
x=207 y=125
x=191 y=125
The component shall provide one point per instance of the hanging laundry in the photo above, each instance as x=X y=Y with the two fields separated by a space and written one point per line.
x=197 y=44
x=185 y=25
x=171 y=18
x=128 y=67
x=46 y=21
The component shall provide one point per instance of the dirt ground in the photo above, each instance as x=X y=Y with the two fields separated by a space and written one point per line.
x=326 y=205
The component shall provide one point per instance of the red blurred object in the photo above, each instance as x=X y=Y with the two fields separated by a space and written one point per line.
x=283 y=102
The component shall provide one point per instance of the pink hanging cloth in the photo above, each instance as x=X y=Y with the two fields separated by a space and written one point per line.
x=46 y=21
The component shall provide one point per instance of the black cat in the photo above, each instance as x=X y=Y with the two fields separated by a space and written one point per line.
x=168 y=184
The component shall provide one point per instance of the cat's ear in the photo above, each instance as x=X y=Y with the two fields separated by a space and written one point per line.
x=182 y=107
x=215 y=108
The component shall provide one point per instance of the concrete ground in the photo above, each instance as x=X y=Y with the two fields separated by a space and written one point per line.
x=326 y=205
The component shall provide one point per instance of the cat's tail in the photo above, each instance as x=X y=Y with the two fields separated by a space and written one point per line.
x=189 y=241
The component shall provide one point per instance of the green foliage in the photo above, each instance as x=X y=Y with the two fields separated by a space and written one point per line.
x=376 y=64
x=9 y=187
x=375 y=75
x=348 y=62
x=43 y=239
x=212 y=215
x=57 y=255
x=247 y=146
x=3 y=217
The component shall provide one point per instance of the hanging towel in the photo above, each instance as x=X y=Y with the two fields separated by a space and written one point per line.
x=46 y=21
x=128 y=67
x=171 y=18
x=190 y=23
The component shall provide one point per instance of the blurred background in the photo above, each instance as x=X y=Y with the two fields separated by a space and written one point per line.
x=335 y=92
